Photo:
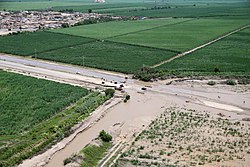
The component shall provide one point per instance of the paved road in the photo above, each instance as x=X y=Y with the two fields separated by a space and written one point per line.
x=63 y=68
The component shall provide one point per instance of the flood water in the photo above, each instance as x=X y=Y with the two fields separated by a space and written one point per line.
x=141 y=109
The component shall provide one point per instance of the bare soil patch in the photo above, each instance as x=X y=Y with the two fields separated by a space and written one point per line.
x=185 y=137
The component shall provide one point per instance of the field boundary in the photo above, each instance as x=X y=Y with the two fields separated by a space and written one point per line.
x=166 y=25
x=97 y=40
x=201 y=46
x=102 y=7
x=57 y=48
x=144 y=46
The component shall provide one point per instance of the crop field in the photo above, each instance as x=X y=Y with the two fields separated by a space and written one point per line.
x=34 y=114
x=228 y=55
x=109 y=56
x=71 y=49
x=116 y=28
x=184 y=36
x=39 y=4
x=190 y=10
x=106 y=7
x=173 y=34
x=76 y=5
x=127 y=49
x=46 y=99
x=30 y=43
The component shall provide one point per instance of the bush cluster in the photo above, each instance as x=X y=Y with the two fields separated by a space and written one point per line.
x=104 y=136
x=211 y=83
x=109 y=92
x=231 y=82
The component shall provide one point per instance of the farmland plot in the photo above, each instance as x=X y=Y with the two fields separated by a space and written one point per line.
x=109 y=56
x=184 y=36
x=110 y=29
x=32 y=43
x=228 y=55
x=189 y=10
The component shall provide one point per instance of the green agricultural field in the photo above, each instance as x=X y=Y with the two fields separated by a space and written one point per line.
x=190 y=10
x=230 y=55
x=34 y=114
x=109 y=56
x=76 y=5
x=39 y=4
x=31 y=43
x=184 y=36
x=71 y=49
x=110 y=29
x=26 y=101
x=105 y=7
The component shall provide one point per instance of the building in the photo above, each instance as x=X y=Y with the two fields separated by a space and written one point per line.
x=99 y=1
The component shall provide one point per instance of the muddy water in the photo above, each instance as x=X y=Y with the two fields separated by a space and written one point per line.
x=141 y=109
x=198 y=92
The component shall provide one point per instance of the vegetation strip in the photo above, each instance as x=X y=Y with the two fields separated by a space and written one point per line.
x=143 y=46
x=91 y=154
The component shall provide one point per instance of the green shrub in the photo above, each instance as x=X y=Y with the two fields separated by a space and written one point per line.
x=110 y=92
x=127 y=97
x=134 y=162
x=65 y=25
x=211 y=83
x=66 y=161
x=71 y=159
x=105 y=136
x=244 y=81
x=216 y=69
x=231 y=82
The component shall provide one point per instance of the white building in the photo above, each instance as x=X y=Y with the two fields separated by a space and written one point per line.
x=99 y=1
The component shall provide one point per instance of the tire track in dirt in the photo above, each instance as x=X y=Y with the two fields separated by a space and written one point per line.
x=201 y=46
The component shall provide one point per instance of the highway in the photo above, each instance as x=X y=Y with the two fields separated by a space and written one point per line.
x=87 y=72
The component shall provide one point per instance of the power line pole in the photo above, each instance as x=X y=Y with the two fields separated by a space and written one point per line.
x=35 y=53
